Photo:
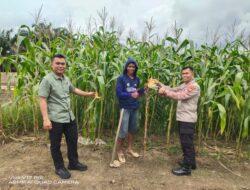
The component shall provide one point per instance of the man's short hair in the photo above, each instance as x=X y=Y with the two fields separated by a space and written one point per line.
x=58 y=56
x=188 y=67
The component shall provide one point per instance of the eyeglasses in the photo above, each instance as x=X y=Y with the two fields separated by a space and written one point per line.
x=60 y=63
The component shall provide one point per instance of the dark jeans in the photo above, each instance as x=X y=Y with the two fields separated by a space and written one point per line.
x=186 y=132
x=55 y=135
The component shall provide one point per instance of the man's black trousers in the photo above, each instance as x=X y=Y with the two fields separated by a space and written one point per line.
x=186 y=132
x=55 y=135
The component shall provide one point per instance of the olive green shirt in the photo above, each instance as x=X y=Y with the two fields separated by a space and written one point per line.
x=56 y=90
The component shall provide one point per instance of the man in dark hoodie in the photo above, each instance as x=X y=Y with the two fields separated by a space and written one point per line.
x=128 y=93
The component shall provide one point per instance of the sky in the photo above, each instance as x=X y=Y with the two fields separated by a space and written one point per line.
x=200 y=19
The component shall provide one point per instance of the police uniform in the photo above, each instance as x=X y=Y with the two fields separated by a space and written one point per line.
x=186 y=116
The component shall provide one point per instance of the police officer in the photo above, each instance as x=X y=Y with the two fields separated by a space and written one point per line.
x=187 y=95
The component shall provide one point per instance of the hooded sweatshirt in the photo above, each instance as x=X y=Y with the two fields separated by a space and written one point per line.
x=125 y=86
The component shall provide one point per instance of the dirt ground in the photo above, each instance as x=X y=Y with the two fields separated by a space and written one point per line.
x=28 y=165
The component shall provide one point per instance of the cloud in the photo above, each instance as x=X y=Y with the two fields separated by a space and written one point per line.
x=194 y=16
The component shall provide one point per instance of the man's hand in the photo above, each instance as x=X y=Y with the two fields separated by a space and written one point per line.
x=135 y=95
x=47 y=124
x=91 y=94
x=161 y=91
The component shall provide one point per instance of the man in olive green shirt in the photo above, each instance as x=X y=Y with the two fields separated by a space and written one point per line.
x=58 y=117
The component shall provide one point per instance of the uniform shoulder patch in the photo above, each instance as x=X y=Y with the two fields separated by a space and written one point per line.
x=191 y=87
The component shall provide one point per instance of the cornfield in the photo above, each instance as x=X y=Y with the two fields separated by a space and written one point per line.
x=95 y=61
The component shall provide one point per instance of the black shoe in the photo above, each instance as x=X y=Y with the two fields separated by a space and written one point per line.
x=181 y=171
x=63 y=173
x=193 y=166
x=78 y=166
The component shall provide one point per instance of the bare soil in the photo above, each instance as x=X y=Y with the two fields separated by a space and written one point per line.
x=27 y=164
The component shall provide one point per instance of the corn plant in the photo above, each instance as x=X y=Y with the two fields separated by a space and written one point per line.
x=95 y=61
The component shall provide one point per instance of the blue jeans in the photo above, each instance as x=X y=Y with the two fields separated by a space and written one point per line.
x=129 y=122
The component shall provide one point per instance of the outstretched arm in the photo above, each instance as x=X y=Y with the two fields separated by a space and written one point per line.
x=175 y=89
x=79 y=92
x=184 y=94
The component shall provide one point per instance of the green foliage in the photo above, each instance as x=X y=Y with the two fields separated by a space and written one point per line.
x=94 y=63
